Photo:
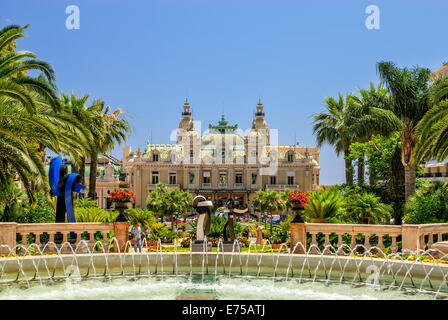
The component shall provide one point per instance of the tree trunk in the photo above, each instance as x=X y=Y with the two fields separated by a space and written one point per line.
x=74 y=167
x=92 y=176
x=5 y=217
x=371 y=178
x=348 y=168
x=396 y=185
x=271 y=223
x=407 y=149
x=82 y=170
x=409 y=184
x=361 y=170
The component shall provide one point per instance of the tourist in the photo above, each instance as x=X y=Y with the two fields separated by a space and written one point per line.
x=137 y=236
x=246 y=232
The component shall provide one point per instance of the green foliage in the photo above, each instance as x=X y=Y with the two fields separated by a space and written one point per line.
x=85 y=203
x=217 y=227
x=366 y=208
x=379 y=152
x=432 y=130
x=39 y=212
x=324 y=205
x=94 y=214
x=169 y=202
x=162 y=232
x=145 y=217
x=269 y=201
x=429 y=204
x=244 y=241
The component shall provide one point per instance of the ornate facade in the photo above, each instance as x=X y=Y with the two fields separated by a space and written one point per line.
x=221 y=163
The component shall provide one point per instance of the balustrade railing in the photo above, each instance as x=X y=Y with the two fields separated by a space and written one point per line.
x=312 y=235
x=357 y=233
x=51 y=234
x=429 y=234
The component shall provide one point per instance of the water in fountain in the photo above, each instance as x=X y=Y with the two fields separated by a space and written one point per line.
x=334 y=273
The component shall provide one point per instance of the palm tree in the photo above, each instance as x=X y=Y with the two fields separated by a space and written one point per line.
x=169 y=202
x=367 y=208
x=401 y=111
x=323 y=205
x=77 y=106
x=108 y=129
x=408 y=89
x=329 y=127
x=360 y=131
x=31 y=118
x=15 y=86
x=268 y=201
x=432 y=130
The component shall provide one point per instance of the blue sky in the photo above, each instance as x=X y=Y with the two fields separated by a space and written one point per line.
x=148 y=56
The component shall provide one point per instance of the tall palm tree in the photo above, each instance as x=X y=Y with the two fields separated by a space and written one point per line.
x=371 y=98
x=405 y=106
x=432 y=130
x=408 y=89
x=329 y=126
x=108 y=129
x=15 y=86
x=77 y=106
x=31 y=118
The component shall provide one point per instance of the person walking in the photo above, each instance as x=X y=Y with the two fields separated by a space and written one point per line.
x=137 y=235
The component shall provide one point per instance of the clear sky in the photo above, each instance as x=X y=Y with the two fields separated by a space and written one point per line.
x=148 y=56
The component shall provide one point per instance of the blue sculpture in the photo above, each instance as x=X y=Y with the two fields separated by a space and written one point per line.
x=62 y=186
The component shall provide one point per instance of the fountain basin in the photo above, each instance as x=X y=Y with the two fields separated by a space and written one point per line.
x=384 y=273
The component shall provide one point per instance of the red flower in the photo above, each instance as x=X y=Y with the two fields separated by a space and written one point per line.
x=121 y=195
x=301 y=196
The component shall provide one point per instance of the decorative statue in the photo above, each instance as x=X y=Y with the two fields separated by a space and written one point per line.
x=191 y=177
x=62 y=186
x=232 y=209
x=254 y=178
x=203 y=207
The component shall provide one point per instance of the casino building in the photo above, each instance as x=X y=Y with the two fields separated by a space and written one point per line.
x=221 y=163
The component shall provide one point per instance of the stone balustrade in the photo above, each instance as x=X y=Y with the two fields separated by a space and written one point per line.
x=412 y=237
x=365 y=232
x=12 y=233
x=428 y=234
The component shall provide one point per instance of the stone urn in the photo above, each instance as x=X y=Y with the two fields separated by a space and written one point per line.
x=298 y=208
x=121 y=207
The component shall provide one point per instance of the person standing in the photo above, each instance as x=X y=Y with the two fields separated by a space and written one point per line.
x=137 y=233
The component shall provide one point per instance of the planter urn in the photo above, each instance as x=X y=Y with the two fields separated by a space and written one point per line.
x=298 y=208
x=121 y=207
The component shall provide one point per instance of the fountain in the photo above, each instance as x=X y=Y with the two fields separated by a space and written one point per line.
x=34 y=272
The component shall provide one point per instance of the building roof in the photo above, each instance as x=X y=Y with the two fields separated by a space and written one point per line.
x=442 y=71
x=222 y=126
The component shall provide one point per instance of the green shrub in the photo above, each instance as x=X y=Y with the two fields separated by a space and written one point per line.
x=42 y=211
x=162 y=232
x=144 y=217
x=94 y=214
x=244 y=241
x=429 y=204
